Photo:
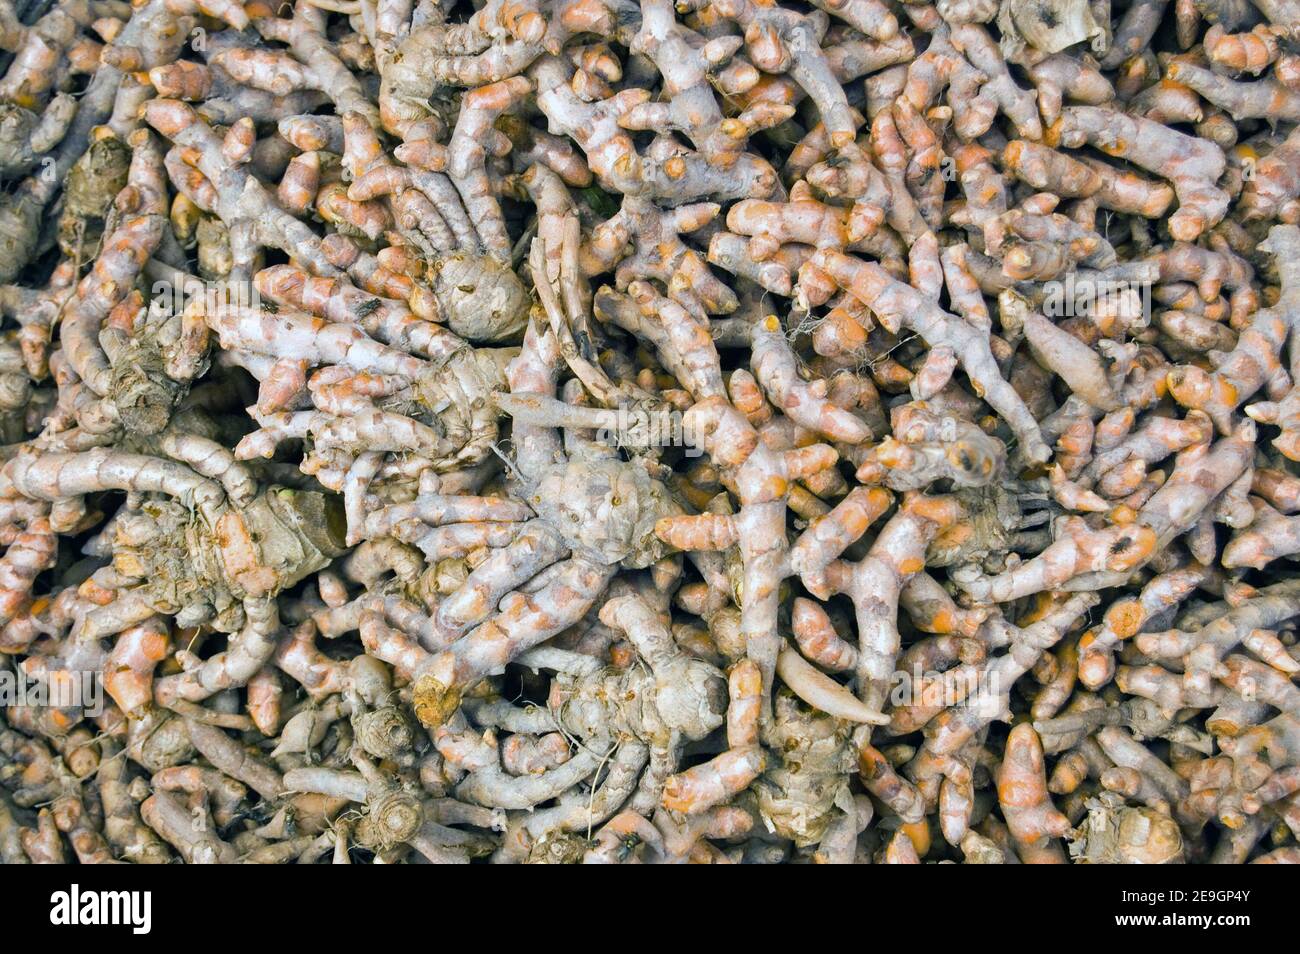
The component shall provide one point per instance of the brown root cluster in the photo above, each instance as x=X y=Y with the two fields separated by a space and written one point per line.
x=626 y=431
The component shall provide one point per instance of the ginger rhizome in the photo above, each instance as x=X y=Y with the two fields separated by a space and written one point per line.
x=616 y=432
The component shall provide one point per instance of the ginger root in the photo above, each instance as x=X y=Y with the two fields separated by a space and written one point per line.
x=619 y=431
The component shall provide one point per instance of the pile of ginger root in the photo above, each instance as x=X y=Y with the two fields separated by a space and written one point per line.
x=619 y=431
